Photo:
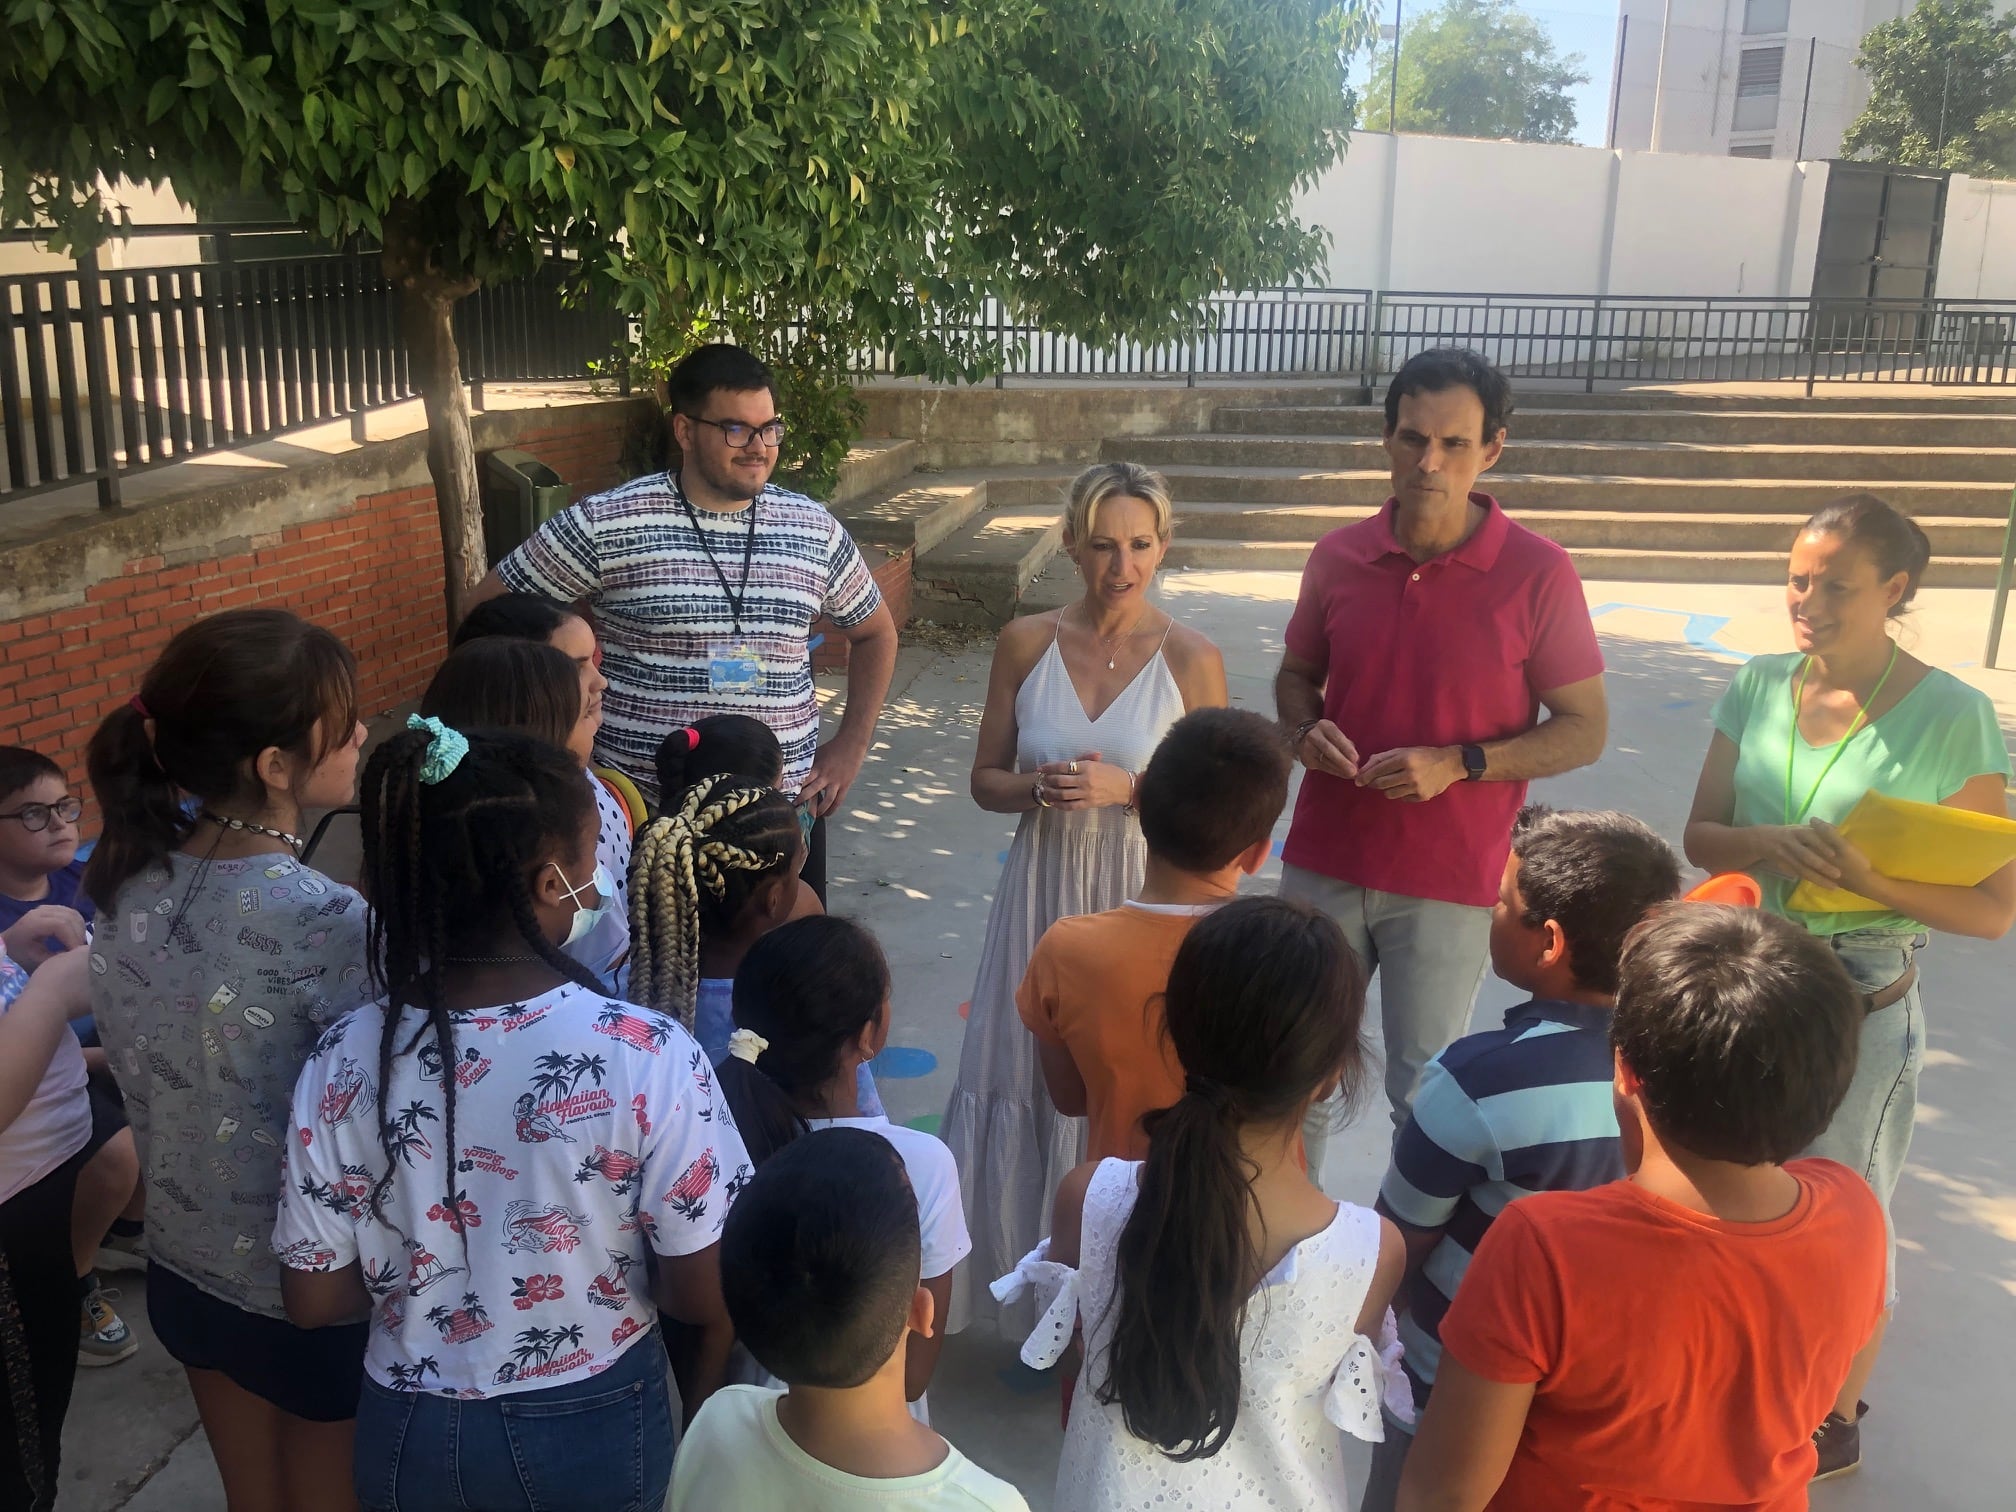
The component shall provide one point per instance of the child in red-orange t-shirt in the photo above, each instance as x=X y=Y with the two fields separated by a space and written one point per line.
x=1676 y=1338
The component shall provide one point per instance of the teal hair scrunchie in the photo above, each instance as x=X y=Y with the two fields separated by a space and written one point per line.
x=445 y=748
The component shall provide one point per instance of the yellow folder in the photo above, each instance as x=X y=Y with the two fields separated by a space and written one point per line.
x=1914 y=842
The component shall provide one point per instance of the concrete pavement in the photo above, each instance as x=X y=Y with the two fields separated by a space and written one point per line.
x=915 y=861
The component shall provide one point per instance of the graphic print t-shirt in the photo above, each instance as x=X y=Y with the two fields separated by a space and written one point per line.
x=211 y=982
x=586 y=1129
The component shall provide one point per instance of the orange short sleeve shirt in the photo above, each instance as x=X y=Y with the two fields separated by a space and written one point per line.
x=1678 y=1361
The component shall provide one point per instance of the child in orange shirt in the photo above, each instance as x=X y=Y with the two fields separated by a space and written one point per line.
x=1092 y=993
x=1675 y=1338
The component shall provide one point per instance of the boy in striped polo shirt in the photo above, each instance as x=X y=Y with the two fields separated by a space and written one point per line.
x=1526 y=1108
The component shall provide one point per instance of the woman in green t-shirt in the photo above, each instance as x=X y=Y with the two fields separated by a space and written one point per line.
x=1799 y=738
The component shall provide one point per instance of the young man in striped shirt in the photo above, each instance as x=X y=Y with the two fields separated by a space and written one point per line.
x=1526 y=1108
x=706 y=581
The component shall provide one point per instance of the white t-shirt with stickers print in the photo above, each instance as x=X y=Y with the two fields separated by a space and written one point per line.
x=585 y=1130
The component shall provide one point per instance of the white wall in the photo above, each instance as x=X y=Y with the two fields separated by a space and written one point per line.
x=1451 y=215
x=1977 y=251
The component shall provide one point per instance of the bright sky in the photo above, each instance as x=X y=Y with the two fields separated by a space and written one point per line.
x=1588 y=27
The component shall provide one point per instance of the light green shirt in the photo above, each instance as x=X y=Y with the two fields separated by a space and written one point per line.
x=1941 y=734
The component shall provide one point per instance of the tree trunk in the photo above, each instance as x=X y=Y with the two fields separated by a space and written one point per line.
x=427 y=311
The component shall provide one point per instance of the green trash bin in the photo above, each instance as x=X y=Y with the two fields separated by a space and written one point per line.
x=520 y=493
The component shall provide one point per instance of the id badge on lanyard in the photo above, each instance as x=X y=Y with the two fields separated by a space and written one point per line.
x=733 y=667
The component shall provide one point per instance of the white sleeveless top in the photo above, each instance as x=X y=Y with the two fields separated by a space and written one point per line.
x=1051 y=725
x=1305 y=1372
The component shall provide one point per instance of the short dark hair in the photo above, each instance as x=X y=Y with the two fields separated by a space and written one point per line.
x=707 y=369
x=495 y=683
x=1597 y=875
x=1892 y=538
x=1214 y=786
x=516 y=616
x=20 y=766
x=820 y=1257
x=718 y=745
x=1742 y=1028
x=1440 y=369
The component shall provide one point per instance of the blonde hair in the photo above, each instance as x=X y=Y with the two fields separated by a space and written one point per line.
x=1116 y=480
x=693 y=868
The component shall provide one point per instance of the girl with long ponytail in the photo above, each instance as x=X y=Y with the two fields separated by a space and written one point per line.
x=1229 y=1308
x=218 y=959
x=507 y=1170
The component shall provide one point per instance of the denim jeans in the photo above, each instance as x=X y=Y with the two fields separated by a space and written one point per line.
x=1871 y=1130
x=599 y=1445
x=1429 y=958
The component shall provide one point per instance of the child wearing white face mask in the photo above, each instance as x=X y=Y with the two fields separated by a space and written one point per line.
x=510 y=1171
x=498 y=683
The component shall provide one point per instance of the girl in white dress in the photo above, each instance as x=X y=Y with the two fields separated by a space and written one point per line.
x=1077 y=701
x=1229 y=1308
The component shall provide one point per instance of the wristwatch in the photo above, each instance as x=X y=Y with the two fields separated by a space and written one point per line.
x=1473 y=762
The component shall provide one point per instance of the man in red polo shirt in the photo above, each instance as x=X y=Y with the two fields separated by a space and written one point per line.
x=1424 y=645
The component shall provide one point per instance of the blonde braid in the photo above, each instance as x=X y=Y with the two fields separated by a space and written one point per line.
x=674 y=856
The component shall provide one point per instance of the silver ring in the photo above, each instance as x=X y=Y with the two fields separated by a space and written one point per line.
x=1072 y=769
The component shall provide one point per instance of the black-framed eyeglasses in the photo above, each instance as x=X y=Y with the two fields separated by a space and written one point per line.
x=35 y=817
x=741 y=435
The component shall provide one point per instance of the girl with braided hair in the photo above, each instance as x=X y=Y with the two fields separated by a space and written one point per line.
x=507 y=1171
x=710 y=877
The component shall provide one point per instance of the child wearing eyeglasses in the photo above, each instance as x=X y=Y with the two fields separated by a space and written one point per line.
x=38 y=837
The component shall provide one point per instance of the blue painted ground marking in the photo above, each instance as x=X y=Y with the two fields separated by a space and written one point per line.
x=1000 y=858
x=1279 y=847
x=1700 y=631
x=902 y=1062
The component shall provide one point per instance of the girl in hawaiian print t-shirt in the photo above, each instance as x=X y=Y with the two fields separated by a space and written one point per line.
x=510 y=1172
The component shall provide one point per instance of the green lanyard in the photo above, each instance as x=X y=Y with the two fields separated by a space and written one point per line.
x=1855 y=725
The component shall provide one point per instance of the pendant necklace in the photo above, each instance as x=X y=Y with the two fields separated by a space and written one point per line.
x=1111 y=644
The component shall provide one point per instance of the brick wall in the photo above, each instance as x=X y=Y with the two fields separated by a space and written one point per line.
x=370 y=572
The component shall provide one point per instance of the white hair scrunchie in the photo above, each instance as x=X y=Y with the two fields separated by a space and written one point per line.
x=746 y=1045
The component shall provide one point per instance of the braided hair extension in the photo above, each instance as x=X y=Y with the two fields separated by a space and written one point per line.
x=445 y=863
x=691 y=873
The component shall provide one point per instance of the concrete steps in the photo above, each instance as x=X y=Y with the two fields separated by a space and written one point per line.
x=1789 y=500
x=1618 y=564
x=1697 y=462
x=1769 y=427
x=1650 y=530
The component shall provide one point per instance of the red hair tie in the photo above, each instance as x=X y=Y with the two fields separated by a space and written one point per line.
x=138 y=707
x=692 y=739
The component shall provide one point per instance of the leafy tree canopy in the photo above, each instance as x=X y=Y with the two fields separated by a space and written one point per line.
x=879 y=165
x=1478 y=68
x=1942 y=90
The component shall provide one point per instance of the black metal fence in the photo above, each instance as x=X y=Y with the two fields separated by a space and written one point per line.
x=1360 y=335
x=105 y=371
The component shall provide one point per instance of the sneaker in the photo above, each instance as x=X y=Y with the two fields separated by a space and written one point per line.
x=1839 y=1441
x=102 y=1335
x=122 y=1252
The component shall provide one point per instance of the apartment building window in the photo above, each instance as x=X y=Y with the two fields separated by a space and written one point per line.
x=1760 y=71
x=1763 y=18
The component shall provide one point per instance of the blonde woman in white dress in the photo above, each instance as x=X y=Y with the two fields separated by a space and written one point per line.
x=1076 y=702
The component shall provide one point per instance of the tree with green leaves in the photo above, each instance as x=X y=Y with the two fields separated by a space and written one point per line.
x=1942 y=90
x=1477 y=68
x=874 y=168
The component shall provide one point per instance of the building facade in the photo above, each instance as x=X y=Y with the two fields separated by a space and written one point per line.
x=1744 y=78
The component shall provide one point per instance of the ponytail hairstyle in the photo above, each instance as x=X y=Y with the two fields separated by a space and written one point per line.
x=1266 y=995
x=719 y=745
x=492 y=683
x=447 y=862
x=1894 y=541
x=224 y=689
x=692 y=872
x=808 y=987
